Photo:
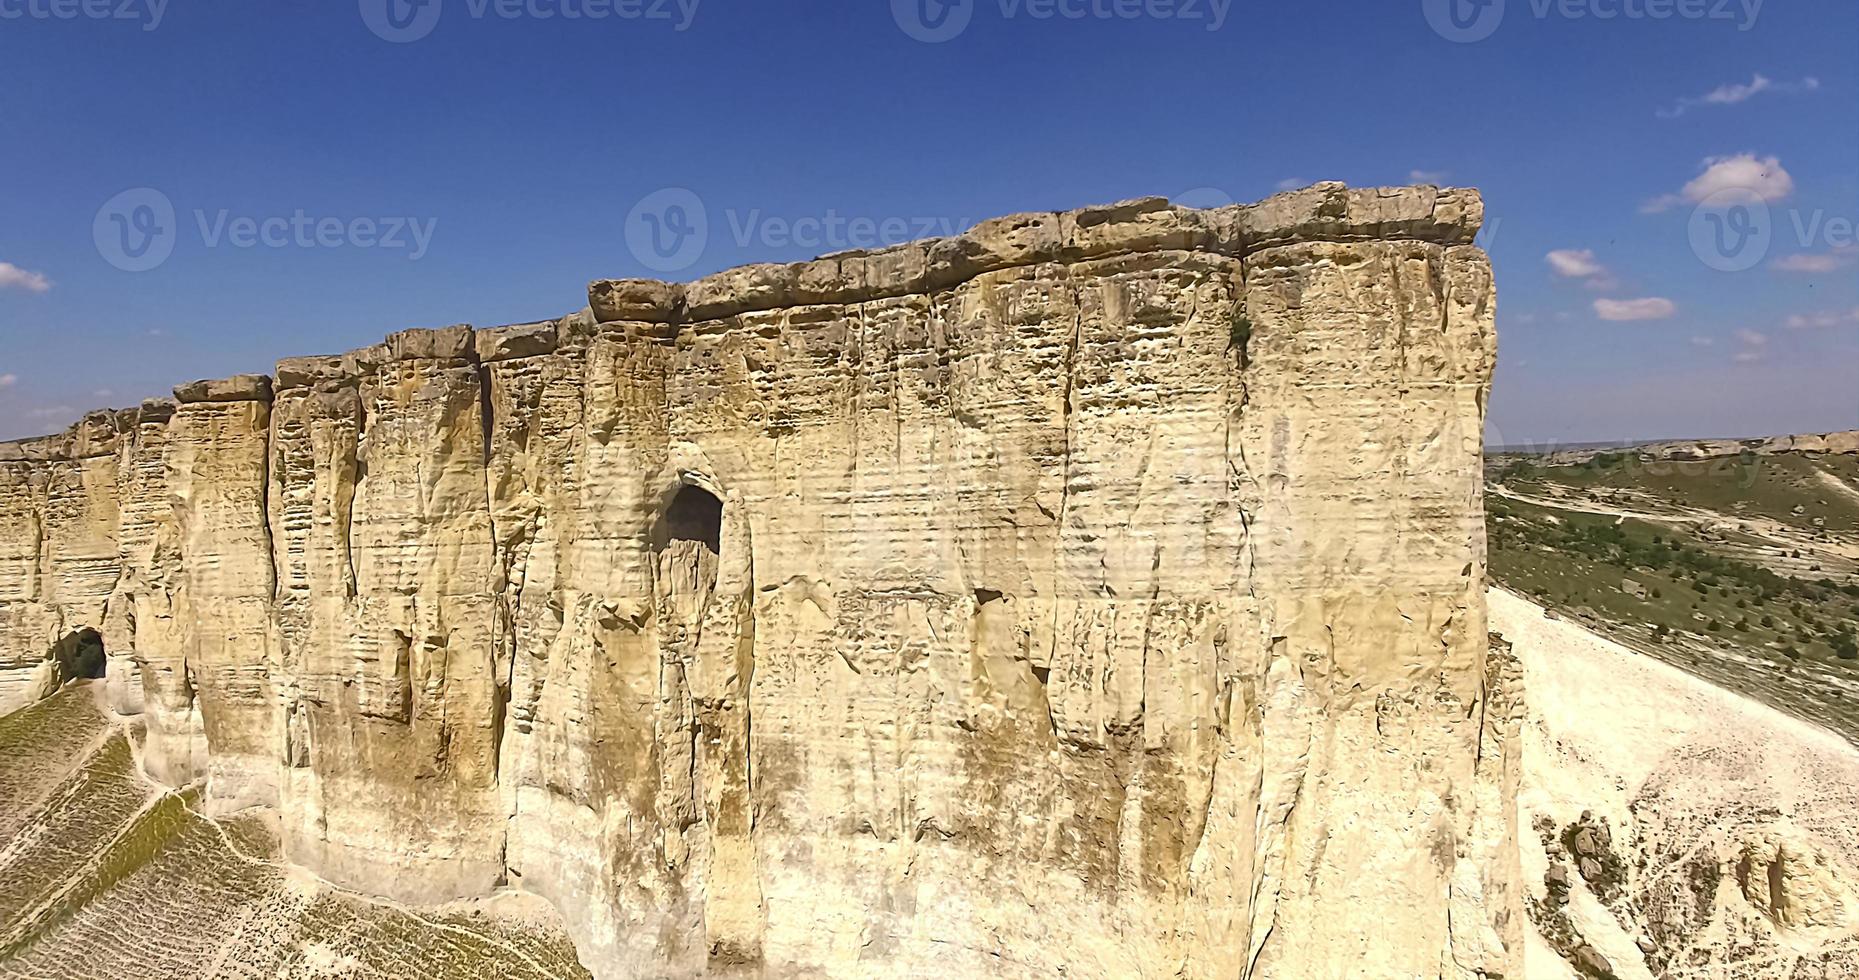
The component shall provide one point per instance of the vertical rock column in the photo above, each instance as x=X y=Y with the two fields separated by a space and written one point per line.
x=611 y=818
x=59 y=560
x=1369 y=364
x=316 y=424
x=706 y=631
x=217 y=454
x=23 y=626
x=386 y=614
x=139 y=632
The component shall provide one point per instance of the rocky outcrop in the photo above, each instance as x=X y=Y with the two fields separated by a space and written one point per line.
x=1094 y=594
x=1830 y=443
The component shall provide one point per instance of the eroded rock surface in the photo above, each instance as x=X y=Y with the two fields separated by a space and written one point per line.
x=1676 y=829
x=1095 y=594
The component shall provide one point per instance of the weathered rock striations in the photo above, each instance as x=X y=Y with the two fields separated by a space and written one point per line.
x=1094 y=594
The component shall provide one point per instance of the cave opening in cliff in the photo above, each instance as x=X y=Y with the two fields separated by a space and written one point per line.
x=689 y=541
x=80 y=655
x=695 y=514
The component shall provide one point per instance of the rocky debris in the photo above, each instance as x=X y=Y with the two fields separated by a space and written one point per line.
x=1557 y=882
x=1591 y=842
x=1591 y=963
x=754 y=621
x=1587 y=846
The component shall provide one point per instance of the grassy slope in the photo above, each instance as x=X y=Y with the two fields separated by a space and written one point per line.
x=104 y=875
x=1741 y=570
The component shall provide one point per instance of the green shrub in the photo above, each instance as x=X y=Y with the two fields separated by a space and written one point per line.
x=1240 y=339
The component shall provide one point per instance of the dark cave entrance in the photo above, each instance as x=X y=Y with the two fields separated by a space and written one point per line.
x=695 y=515
x=687 y=544
x=80 y=656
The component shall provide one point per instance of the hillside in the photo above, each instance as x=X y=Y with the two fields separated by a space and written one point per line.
x=1737 y=564
x=105 y=875
x=1670 y=829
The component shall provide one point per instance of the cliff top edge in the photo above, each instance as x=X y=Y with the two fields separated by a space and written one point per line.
x=1324 y=212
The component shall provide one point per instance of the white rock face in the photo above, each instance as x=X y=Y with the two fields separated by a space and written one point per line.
x=1732 y=841
x=1096 y=594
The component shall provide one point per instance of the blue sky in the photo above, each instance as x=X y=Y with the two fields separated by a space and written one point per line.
x=484 y=172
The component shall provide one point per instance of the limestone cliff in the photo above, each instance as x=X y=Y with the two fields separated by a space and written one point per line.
x=1095 y=594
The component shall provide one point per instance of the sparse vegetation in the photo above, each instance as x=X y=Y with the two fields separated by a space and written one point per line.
x=113 y=877
x=1241 y=337
x=1731 y=568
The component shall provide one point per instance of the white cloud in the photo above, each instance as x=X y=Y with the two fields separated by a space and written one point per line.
x=103 y=393
x=14 y=277
x=1822 y=262
x=53 y=412
x=1703 y=342
x=1427 y=176
x=1816 y=321
x=1293 y=183
x=1734 y=93
x=1752 y=338
x=1572 y=263
x=1737 y=93
x=1623 y=310
x=1744 y=177
x=1747 y=357
x=8 y=380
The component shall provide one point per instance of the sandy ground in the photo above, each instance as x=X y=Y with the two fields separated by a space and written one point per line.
x=1837 y=485
x=1682 y=771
